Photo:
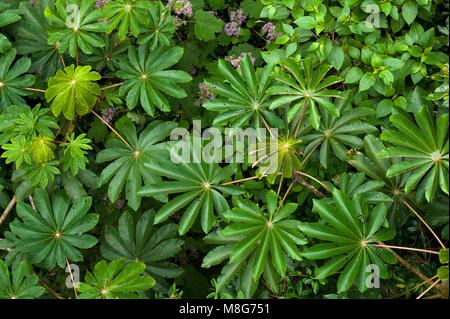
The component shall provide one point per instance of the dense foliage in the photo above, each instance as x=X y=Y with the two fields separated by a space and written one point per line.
x=100 y=99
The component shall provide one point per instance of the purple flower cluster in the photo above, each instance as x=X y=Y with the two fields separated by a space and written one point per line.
x=236 y=62
x=204 y=94
x=238 y=16
x=34 y=3
x=233 y=28
x=269 y=28
x=101 y=3
x=119 y=203
x=108 y=114
x=182 y=8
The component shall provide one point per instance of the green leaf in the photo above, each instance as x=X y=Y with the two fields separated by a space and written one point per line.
x=409 y=11
x=52 y=233
x=206 y=25
x=115 y=281
x=73 y=91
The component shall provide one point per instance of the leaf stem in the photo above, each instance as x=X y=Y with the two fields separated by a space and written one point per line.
x=37 y=90
x=111 y=86
x=54 y=293
x=428 y=289
x=407 y=248
x=301 y=118
x=417 y=286
x=239 y=180
x=71 y=277
x=111 y=128
x=314 y=148
x=7 y=210
x=423 y=221
x=62 y=60
x=315 y=179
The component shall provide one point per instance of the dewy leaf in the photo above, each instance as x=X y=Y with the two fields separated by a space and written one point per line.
x=115 y=281
x=194 y=182
x=74 y=26
x=257 y=238
x=12 y=80
x=424 y=145
x=73 y=91
x=53 y=233
x=143 y=242
x=126 y=16
x=129 y=167
x=146 y=77
x=350 y=243
x=305 y=87
x=18 y=284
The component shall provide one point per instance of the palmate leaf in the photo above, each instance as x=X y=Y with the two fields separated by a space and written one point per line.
x=16 y=151
x=102 y=57
x=146 y=77
x=130 y=166
x=75 y=24
x=22 y=121
x=12 y=79
x=243 y=98
x=353 y=226
x=128 y=15
x=335 y=133
x=74 y=152
x=17 y=284
x=305 y=87
x=279 y=154
x=41 y=149
x=200 y=187
x=356 y=183
x=143 y=242
x=160 y=29
x=259 y=239
x=31 y=38
x=73 y=91
x=376 y=168
x=40 y=173
x=425 y=145
x=7 y=17
x=14 y=257
x=115 y=281
x=53 y=232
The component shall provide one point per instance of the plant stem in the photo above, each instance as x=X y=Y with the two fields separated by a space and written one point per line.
x=32 y=202
x=310 y=187
x=423 y=221
x=54 y=293
x=7 y=210
x=37 y=90
x=301 y=118
x=112 y=129
x=111 y=86
x=315 y=179
x=415 y=287
x=428 y=289
x=407 y=248
x=267 y=126
x=62 y=60
x=239 y=180
x=284 y=197
x=71 y=277
x=314 y=148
